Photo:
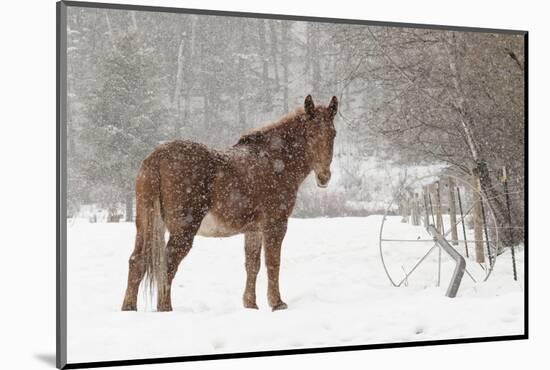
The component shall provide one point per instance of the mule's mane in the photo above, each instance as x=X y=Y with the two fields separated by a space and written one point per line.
x=290 y=122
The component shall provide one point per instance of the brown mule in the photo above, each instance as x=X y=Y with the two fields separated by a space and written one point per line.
x=249 y=188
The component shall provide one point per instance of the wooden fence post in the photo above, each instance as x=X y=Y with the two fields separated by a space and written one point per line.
x=478 y=223
x=430 y=200
x=504 y=179
x=426 y=207
x=415 y=210
x=439 y=225
x=405 y=206
x=452 y=211
x=408 y=209
x=439 y=217
x=463 y=221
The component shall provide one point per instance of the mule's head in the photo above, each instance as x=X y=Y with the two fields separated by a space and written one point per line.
x=320 y=133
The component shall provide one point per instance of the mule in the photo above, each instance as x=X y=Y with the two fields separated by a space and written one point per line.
x=250 y=188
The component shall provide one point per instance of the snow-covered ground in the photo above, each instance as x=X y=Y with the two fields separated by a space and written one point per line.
x=331 y=278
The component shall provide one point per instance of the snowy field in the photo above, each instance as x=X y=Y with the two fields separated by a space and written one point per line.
x=331 y=278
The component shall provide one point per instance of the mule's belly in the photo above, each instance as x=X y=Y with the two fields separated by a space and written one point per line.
x=211 y=226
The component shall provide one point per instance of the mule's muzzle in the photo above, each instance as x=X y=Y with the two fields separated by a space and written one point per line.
x=323 y=179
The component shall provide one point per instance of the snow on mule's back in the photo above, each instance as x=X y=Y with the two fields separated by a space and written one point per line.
x=331 y=278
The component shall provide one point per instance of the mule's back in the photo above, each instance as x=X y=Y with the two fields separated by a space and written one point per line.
x=185 y=171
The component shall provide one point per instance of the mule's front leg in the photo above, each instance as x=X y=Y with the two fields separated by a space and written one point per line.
x=252 y=250
x=273 y=238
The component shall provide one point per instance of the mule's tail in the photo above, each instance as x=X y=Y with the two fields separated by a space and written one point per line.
x=156 y=272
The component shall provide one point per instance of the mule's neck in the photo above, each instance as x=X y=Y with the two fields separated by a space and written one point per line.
x=284 y=143
x=292 y=151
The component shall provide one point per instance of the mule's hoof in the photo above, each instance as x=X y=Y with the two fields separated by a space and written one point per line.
x=129 y=308
x=280 y=306
x=251 y=305
x=164 y=308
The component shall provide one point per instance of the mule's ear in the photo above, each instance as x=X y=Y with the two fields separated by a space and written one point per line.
x=309 y=107
x=333 y=106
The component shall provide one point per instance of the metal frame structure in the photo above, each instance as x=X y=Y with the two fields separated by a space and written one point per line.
x=440 y=243
x=453 y=253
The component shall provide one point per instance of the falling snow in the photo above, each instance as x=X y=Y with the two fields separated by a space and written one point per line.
x=411 y=102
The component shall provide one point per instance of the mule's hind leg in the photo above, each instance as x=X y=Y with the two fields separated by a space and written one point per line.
x=178 y=247
x=252 y=250
x=136 y=272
